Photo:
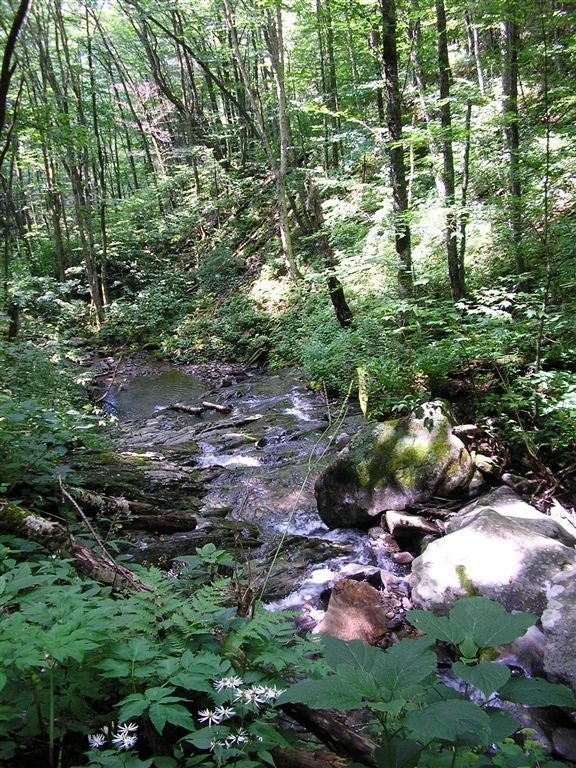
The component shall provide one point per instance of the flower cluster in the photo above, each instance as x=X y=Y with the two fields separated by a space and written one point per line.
x=123 y=738
x=240 y=737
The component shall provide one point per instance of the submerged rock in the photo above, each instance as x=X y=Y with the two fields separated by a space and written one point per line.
x=393 y=465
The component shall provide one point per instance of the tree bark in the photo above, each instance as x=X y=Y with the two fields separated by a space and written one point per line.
x=512 y=128
x=8 y=67
x=455 y=273
x=396 y=148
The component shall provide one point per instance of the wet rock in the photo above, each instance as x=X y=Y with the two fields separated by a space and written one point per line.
x=402 y=558
x=355 y=612
x=409 y=526
x=564 y=743
x=394 y=465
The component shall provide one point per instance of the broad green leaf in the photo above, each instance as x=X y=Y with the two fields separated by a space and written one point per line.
x=179 y=715
x=353 y=652
x=502 y=724
x=322 y=694
x=390 y=707
x=3 y=679
x=402 y=668
x=487 y=622
x=488 y=676
x=132 y=706
x=450 y=721
x=437 y=627
x=398 y=753
x=158 y=714
x=538 y=692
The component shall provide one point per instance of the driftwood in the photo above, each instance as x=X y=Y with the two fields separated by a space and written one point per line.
x=217 y=407
x=54 y=536
x=198 y=410
x=333 y=731
x=194 y=410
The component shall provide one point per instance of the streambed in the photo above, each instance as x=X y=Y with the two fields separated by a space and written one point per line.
x=247 y=476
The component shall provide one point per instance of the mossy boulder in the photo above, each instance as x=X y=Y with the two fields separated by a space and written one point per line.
x=394 y=465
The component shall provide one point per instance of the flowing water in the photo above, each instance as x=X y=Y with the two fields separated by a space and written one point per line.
x=259 y=463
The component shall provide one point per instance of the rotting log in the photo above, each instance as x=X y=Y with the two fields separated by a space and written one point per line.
x=332 y=731
x=289 y=757
x=55 y=538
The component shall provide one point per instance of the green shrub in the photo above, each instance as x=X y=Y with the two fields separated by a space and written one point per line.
x=42 y=418
x=418 y=720
x=173 y=670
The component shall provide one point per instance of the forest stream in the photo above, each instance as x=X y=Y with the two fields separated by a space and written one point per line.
x=244 y=476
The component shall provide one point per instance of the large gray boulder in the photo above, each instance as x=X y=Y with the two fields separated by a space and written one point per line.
x=499 y=546
x=559 y=626
x=394 y=465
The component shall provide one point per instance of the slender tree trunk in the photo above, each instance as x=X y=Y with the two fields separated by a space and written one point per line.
x=512 y=127
x=455 y=273
x=8 y=68
x=314 y=225
x=279 y=168
x=396 y=149
x=434 y=146
x=474 y=46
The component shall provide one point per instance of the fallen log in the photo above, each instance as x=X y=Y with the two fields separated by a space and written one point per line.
x=194 y=410
x=54 y=536
x=332 y=731
x=217 y=407
x=289 y=757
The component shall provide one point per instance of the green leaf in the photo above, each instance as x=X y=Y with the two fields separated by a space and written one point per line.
x=132 y=706
x=488 y=676
x=158 y=715
x=401 y=669
x=538 y=692
x=438 y=627
x=487 y=622
x=502 y=724
x=398 y=753
x=353 y=652
x=450 y=721
x=322 y=694
x=179 y=715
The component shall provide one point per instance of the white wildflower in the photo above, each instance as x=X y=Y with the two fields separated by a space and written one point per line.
x=126 y=729
x=124 y=740
x=232 y=681
x=241 y=736
x=223 y=713
x=96 y=740
x=208 y=716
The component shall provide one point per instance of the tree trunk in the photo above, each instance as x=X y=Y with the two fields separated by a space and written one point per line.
x=455 y=274
x=396 y=148
x=512 y=128
x=314 y=227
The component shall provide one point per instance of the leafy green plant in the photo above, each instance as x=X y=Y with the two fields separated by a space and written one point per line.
x=39 y=424
x=418 y=719
x=173 y=670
